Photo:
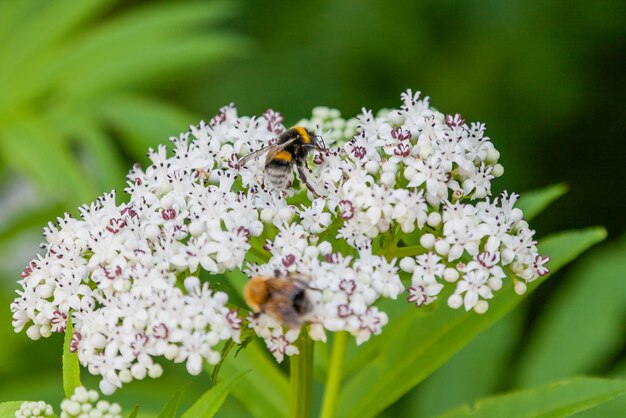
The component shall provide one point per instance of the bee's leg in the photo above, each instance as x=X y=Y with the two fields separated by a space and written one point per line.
x=304 y=179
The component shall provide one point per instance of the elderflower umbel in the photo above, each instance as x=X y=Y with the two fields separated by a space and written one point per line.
x=38 y=409
x=85 y=404
x=139 y=279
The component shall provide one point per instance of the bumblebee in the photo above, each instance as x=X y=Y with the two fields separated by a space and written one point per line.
x=289 y=150
x=283 y=298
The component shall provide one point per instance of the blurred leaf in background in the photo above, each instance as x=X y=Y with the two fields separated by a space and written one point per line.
x=83 y=86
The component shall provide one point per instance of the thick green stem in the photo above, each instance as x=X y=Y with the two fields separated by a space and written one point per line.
x=302 y=378
x=335 y=374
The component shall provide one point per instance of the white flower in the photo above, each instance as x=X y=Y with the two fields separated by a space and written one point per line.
x=424 y=292
x=314 y=219
x=432 y=175
x=473 y=285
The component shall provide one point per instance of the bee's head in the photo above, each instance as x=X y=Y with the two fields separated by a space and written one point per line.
x=308 y=138
x=256 y=292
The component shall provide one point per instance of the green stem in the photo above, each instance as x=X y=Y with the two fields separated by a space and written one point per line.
x=399 y=252
x=335 y=374
x=302 y=378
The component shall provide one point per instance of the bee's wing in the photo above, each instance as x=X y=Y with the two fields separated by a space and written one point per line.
x=273 y=152
x=253 y=155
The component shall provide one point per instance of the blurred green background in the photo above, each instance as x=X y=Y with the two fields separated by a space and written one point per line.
x=87 y=87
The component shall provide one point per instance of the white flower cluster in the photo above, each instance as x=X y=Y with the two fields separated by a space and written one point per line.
x=82 y=404
x=470 y=245
x=85 y=404
x=38 y=409
x=412 y=174
x=412 y=181
x=118 y=271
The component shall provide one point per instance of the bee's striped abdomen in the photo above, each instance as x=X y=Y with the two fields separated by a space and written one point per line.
x=278 y=174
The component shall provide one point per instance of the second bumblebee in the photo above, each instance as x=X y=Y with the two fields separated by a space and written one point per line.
x=284 y=298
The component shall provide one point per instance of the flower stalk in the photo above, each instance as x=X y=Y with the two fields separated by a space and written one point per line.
x=335 y=373
x=302 y=378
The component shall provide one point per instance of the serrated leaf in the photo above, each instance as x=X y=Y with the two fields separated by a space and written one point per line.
x=415 y=345
x=71 y=368
x=593 y=297
x=265 y=380
x=535 y=201
x=7 y=409
x=560 y=399
x=211 y=401
x=171 y=407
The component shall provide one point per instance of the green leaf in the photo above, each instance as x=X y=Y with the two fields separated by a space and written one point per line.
x=7 y=409
x=147 y=63
x=535 y=201
x=265 y=380
x=144 y=122
x=100 y=158
x=485 y=359
x=26 y=219
x=614 y=408
x=71 y=368
x=593 y=297
x=37 y=151
x=559 y=399
x=134 y=412
x=52 y=20
x=170 y=408
x=211 y=401
x=433 y=338
x=228 y=346
x=147 y=25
